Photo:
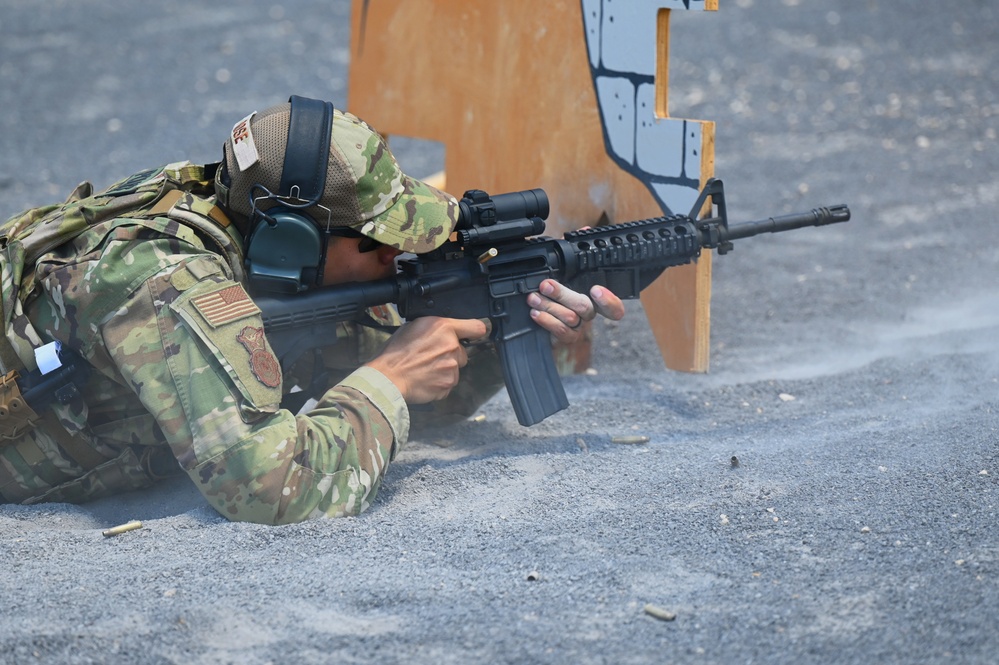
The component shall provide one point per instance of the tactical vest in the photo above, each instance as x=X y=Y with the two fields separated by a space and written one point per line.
x=180 y=191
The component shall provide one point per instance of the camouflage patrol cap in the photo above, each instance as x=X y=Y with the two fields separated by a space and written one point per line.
x=365 y=188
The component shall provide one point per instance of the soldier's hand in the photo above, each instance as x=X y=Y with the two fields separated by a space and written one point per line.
x=561 y=311
x=424 y=356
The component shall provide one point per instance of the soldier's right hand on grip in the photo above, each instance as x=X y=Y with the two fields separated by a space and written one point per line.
x=424 y=356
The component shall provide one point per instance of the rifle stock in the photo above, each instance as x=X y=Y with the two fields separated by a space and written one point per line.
x=495 y=260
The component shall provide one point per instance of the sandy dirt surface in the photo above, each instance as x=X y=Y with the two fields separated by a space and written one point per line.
x=827 y=493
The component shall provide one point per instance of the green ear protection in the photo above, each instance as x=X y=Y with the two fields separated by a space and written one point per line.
x=286 y=250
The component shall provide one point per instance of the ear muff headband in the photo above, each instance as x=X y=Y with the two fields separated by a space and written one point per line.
x=308 y=151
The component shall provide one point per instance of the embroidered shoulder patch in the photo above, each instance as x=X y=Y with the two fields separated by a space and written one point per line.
x=130 y=184
x=225 y=305
x=263 y=364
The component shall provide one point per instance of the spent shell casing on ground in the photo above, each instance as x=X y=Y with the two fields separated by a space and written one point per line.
x=660 y=613
x=630 y=439
x=122 y=528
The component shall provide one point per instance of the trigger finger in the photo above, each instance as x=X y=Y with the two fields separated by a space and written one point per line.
x=462 y=356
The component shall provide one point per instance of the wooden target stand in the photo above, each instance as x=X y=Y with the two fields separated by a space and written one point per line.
x=526 y=94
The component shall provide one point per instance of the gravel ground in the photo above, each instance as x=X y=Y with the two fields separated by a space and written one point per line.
x=827 y=493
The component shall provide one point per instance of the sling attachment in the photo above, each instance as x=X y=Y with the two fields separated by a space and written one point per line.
x=59 y=373
x=16 y=415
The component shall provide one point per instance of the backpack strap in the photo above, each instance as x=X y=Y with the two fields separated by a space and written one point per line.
x=9 y=360
x=209 y=220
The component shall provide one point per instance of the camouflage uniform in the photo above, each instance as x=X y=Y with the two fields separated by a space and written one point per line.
x=148 y=292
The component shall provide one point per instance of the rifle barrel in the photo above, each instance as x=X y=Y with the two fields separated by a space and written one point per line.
x=815 y=217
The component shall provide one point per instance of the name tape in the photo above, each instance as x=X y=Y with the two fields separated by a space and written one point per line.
x=243 y=145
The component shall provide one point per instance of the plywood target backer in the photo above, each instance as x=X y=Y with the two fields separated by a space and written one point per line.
x=567 y=95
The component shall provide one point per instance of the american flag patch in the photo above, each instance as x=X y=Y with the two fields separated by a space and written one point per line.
x=225 y=305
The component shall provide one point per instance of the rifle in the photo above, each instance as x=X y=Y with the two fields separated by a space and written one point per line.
x=498 y=256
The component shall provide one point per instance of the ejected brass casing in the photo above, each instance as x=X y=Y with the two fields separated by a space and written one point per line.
x=122 y=528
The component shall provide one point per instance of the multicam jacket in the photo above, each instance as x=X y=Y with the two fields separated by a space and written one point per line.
x=147 y=290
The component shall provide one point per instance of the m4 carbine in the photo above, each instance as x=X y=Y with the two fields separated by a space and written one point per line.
x=497 y=256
